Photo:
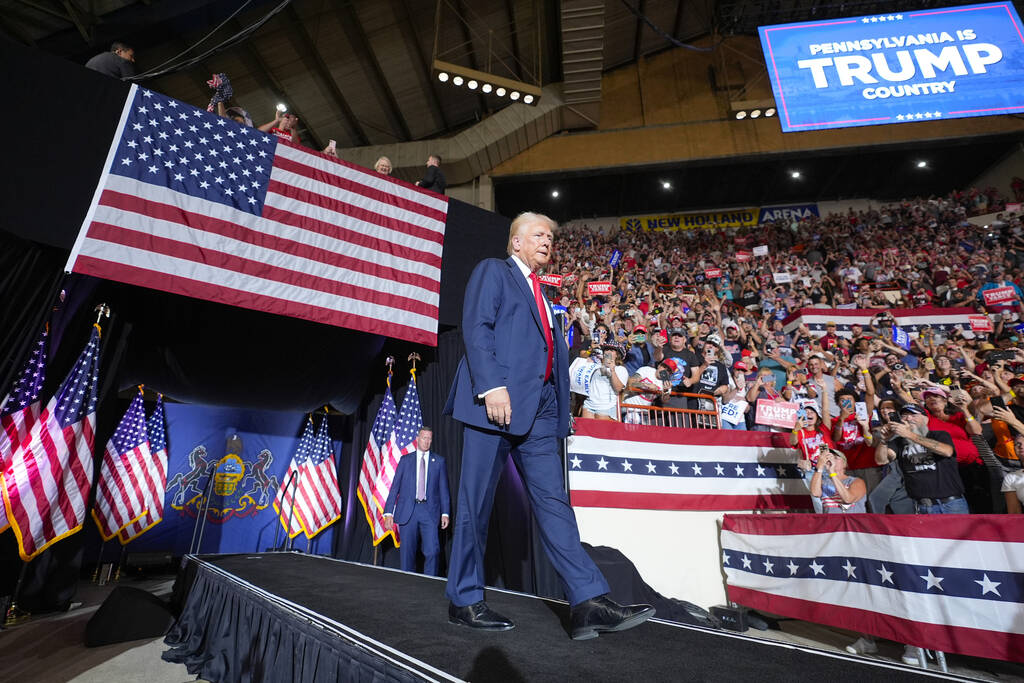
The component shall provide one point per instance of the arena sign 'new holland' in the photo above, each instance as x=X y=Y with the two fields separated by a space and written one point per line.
x=896 y=68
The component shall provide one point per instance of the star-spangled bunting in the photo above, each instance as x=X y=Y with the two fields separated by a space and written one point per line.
x=157 y=430
x=954 y=584
x=197 y=204
x=909 y=320
x=20 y=408
x=618 y=466
x=47 y=478
x=377 y=447
x=124 y=490
x=287 y=503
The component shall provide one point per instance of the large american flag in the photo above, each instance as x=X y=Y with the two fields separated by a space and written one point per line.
x=614 y=465
x=318 y=485
x=155 y=427
x=124 y=490
x=910 y=320
x=378 y=446
x=196 y=204
x=953 y=583
x=287 y=503
x=403 y=440
x=48 y=476
x=20 y=408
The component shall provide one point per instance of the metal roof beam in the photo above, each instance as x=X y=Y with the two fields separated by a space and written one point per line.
x=467 y=39
x=401 y=10
x=638 y=38
x=254 y=57
x=357 y=35
x=511 y=8
x=309 y=53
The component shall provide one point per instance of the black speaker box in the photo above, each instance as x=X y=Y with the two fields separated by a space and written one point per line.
x=732 y=618
x=128 y=614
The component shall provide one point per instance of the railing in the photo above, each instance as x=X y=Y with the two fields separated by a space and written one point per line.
x=689 y=418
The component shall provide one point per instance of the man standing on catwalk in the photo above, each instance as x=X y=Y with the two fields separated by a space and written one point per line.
x=511 y=392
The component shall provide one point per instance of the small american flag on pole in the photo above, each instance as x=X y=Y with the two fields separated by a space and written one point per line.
x=157 y=479
x=403 y=440
x=287 y=504
x=377 y=447
x=196 y=204
x=20 y=408
x=48 y=476
x=318 y=485
x=124 y=488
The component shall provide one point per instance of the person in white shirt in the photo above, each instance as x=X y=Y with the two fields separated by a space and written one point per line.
x=606 y=384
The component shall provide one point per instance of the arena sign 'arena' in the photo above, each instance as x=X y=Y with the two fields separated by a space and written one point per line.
x=946 y=63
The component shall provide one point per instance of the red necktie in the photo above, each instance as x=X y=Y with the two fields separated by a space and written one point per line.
x=543 y=310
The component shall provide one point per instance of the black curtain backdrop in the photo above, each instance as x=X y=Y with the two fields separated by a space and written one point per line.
x=201 y=352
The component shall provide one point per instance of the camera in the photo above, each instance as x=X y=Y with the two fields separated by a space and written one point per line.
x=999 y=356
x=664 y=375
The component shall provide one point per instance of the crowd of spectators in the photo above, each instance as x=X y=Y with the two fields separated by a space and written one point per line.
x=668 y=328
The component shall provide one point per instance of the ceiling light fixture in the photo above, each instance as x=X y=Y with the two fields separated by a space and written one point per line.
x=794 y=174
x=518 y=91
x=554 y=193
x=740 y=115
x=756 y=113
x=922 y=164
x=769 y=112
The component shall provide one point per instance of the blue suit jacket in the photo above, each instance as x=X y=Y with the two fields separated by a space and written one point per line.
x=402 y=497
x=505 y=346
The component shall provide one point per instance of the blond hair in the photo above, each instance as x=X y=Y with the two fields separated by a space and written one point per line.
x=526 y=218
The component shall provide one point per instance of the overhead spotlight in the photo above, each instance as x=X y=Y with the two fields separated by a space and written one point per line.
x=281 y=106
x=755 y=114
x=487 y=83
x=922 y=164
x=666 y=185
x=740 y=115
x=794 y=174
x=769 y=112
x=554 y=193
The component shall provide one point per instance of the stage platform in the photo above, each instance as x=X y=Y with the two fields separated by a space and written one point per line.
x=294 y=617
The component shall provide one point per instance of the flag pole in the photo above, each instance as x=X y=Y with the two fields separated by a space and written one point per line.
x=99 y=563
x=120 y=563
x=14 y=614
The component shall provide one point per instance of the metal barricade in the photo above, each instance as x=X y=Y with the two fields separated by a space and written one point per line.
x=657 y=416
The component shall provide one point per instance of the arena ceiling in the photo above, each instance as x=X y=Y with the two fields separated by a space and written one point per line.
x=358 y=72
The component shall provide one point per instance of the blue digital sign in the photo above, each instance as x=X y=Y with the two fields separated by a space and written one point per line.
x=922 y=65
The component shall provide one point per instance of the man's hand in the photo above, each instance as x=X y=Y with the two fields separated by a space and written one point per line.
x=499 y=407
x=902 y=429
x=444 y=521
x=389 y=522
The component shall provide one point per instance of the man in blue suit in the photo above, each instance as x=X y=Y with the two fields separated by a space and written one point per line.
x=511 y=392
x=417 y=500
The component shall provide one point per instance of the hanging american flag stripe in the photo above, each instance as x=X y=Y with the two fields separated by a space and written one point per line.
x=198 y=205
x=378 y=445
x=157 y=476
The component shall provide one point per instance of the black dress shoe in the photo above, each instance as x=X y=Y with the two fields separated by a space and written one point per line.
x=601 y=615
x=478 y=616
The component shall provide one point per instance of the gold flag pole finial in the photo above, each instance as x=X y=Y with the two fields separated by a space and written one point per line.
x=390 y=362
x=102 y=310
x=413 y=357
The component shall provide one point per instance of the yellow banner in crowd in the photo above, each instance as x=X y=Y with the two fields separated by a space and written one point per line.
x=735 y=218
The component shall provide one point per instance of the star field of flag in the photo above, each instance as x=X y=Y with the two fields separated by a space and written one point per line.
x=77 y=395
x=410 y=419
x=29 y=384
x=132 y=430
x=174 y=145
x=155 y=428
